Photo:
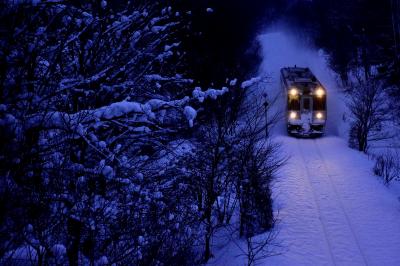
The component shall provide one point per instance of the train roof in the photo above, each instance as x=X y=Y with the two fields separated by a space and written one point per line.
x=299 y=76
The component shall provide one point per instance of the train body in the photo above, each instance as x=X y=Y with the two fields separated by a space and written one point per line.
x=306 y=102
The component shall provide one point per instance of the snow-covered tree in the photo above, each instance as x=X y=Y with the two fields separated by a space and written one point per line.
x=91 y=101
x=368 y=105
x=230 y=167
x=108 y=152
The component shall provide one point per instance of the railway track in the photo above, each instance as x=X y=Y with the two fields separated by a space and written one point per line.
x=341 y=238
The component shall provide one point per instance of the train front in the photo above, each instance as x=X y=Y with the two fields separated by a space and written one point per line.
x=306 y=109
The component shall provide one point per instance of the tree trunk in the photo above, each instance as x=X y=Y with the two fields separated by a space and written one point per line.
x=207 y=251
x=74 y=234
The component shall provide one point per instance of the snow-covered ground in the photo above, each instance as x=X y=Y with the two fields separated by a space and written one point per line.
x=332 y=210
x=341 y=214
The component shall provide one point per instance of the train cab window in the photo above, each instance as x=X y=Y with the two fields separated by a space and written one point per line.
x=306 y=104
x=294 y=103
x=319 y=103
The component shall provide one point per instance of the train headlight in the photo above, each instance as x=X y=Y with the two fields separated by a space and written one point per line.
x=319 y=115
x=293 y=92
x=319 y=92
x=293 y=115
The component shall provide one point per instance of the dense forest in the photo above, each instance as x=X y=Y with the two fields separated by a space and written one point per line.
x=126 y=137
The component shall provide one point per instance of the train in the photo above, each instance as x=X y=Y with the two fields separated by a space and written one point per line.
x=306 y=102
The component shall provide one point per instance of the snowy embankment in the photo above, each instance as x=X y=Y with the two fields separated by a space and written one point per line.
x=331 y=209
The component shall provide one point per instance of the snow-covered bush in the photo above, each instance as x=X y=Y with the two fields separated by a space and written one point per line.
x=229 y=169
x=387 y=166
x=256 y=162
x=91 y=100
x=369 y=111
x=108 y=152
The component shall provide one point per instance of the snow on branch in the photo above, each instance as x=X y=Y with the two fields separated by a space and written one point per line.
x=210 y=93
x=112 y=111
x=250 y=82
x=157 y=77
x=190 y=114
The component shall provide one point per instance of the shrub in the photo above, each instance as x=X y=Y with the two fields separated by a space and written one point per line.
x=387 y=166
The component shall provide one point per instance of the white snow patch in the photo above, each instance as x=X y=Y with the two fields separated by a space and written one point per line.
x=102 y=144
x=26 y=254
x=102 y=261
x=59 y=250
x=118 y=109
x=108 y=172
x=190 y=114
x=210 y=93
x=233 y=82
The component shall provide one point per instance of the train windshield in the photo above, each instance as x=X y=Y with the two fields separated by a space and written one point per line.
x=306 y=104
x=294 y=103
x=319 y=103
